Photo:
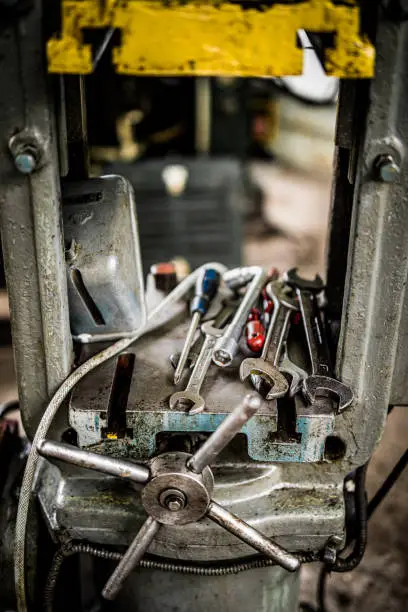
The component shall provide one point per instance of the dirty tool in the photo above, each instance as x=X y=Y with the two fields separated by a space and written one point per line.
x=321 y=380
x=220 y=321
x=205 y=290
x=191 y=394
x=266 y=366
x=227 y=346
x=297 y=374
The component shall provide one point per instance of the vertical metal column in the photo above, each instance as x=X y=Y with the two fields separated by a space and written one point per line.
x=378 y=253
x=30 y=219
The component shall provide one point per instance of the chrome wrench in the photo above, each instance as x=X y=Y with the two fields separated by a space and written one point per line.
x=227 y=345
x=191 y=394
x=297 y=374
x=219 y=321
x=266 y=365
x=321 y=378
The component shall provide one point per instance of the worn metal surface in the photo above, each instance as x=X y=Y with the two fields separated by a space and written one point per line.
x=262 y=590
x=100 y=463
x=298 y=506
x=170 y=472
x=147 y=410
x=30 y=220
x=100 y=231
x=377 y=266
x=254 y=538
x=207 y=38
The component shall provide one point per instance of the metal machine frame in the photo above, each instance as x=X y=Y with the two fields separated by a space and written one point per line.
x=367 y=252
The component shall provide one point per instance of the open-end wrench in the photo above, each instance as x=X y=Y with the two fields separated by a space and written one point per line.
x=266 y=365
x=191 y=394
x=321 y=378
x=296 y=373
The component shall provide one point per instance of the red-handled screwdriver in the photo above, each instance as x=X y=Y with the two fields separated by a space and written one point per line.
x=205 y=290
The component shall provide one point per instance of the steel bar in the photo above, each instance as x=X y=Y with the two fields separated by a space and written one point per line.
x=228 y=429
x=30 y=220
x=131 y=558
x=252 y=536
x=93 y=461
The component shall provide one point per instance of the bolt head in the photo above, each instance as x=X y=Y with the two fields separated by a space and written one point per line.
x=25 y=162
x=174 y=504
x=173 y=500
x=387 y=168
x=350 y=486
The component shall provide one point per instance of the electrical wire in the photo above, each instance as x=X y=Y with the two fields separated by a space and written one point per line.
x=165 y=565
x=387 y=485
x=53 y=407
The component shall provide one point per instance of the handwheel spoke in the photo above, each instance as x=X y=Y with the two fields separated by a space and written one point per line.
x=93 y=461
x=251 y=536
x=224 y=433
x=131 y=558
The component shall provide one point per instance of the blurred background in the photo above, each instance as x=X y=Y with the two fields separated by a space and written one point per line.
x=239 y=171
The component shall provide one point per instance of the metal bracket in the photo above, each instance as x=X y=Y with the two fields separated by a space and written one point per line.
x=206 y=38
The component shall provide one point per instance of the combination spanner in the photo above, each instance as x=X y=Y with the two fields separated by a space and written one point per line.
x=321 y=378
x=191 y=394
x=222 y=318
x=266 y=365
x=297 y=374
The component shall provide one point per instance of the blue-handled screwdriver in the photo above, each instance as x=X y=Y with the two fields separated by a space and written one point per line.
x=205 y=290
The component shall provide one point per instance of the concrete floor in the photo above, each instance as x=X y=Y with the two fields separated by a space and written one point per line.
x=296 y=208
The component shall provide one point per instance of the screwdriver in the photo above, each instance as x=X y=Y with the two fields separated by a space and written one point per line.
x=206 y=288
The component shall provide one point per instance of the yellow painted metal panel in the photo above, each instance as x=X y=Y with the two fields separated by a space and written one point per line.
x=202 y=38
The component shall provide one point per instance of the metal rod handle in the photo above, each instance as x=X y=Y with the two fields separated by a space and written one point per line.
x=131 y=558
x=252 y=536
x=93 y=461
x=228 y=429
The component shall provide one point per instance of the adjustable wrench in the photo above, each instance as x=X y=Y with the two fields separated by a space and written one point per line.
x=266 y=365
x=191 y=394
x=321 y=378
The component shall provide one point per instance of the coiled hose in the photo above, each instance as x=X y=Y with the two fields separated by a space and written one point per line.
x=221 y=569
x=52 y=408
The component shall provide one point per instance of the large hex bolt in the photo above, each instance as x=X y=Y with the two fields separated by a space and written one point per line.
x=27 y=150
x=387 y=168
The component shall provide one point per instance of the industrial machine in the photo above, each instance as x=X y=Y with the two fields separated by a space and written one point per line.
x=209 y=489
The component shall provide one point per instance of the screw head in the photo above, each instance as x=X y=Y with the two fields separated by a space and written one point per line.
x=25 y=162
x=388 y=170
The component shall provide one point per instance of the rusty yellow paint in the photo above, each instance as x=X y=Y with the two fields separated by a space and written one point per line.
x=204 y=38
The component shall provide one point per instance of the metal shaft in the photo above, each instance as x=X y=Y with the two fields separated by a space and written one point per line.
x=131 y=558
x=227 y=346
x=93 y=461
x=195 y=321
x=252 y=536
x=318 y=350
x=228 y=429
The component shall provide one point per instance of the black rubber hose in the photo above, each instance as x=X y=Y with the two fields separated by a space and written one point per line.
x=387 y=484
